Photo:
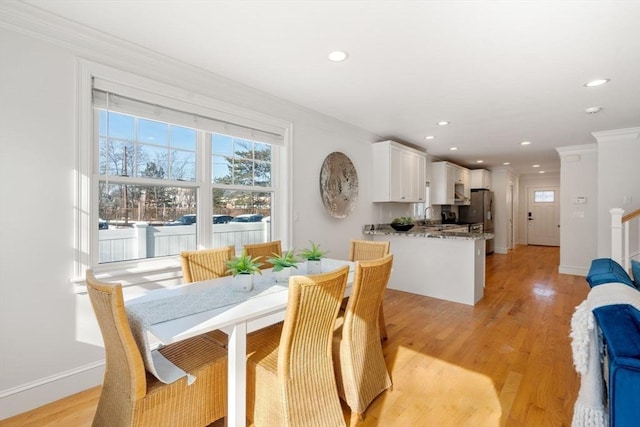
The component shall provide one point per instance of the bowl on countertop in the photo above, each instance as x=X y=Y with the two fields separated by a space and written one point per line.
x=402 y=227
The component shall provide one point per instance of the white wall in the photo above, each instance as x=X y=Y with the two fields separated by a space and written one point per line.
x=618 y=179
x=51 y=347
x=578 y=235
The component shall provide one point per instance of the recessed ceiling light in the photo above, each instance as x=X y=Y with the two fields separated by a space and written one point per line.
x=443 y=123
x=429 y=137
x=535 y=166
x=506 y=163
x=593 y=110
x=597 y=82
x=479 y=161
x=338 y=56
x=525 y=143
x=540 y=171
x=453 y=148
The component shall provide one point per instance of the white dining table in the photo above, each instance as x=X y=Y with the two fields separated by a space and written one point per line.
x=245 y=313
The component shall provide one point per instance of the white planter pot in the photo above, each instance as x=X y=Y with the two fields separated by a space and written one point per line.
x=243 y=282
x=314 y=267
x=283 y=275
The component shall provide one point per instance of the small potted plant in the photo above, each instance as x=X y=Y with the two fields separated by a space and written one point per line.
x=402 y=223
x=242 y=268
x=314 y=256
x=282 y=265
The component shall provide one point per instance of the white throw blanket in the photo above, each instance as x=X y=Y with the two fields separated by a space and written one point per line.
x=589 y=410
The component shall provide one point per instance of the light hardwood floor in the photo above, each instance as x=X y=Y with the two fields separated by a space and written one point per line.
x=504 y=362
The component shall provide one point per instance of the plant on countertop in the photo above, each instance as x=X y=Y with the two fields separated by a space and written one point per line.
x=243 y=264
x=314 y=253
x=280 y=262
x=402 y=220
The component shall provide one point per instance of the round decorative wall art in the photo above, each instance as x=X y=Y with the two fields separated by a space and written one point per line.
x=338 y=185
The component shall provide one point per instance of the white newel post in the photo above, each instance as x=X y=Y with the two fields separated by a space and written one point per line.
x=141 y=239
x=616 y=234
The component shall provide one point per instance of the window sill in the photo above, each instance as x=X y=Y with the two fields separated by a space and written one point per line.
x=136 y=273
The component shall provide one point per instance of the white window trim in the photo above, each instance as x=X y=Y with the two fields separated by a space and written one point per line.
x=86 y=185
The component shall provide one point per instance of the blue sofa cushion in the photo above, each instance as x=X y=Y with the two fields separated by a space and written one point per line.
x=606 y=270
x=620 y=325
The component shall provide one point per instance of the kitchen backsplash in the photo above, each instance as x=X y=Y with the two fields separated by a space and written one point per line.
x=388 y=211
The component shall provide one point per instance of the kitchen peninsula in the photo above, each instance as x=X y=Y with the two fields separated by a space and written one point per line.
x=429 y=260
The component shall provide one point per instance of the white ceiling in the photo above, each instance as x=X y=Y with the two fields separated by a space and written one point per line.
x=501 y=72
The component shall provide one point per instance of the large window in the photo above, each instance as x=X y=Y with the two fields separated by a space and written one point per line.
x=160 y=164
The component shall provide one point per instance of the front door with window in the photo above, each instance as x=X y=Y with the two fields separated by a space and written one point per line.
x=543 y=216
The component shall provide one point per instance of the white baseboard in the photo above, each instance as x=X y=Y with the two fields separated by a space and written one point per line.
x=501 y=250
x=576 y=271
x=32 y=395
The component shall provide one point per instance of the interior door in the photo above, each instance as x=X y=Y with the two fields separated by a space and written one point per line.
x=543 y=216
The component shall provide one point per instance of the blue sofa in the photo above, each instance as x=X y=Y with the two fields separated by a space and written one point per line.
x=620 y=326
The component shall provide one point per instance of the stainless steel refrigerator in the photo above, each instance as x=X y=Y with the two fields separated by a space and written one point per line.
x=480 y=211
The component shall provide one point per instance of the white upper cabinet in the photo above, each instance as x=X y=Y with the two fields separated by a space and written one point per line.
x=481 y=178
x=450 y=184
x=443 y=177
x=398 y=173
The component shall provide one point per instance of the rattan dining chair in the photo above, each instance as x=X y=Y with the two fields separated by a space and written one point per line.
x=290 y=376
x=264 y=251
x=205 y=264
x=366 y=250
x=361 y=372
x=131 y=396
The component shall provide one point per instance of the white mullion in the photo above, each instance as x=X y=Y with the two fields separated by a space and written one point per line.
x=204 y=227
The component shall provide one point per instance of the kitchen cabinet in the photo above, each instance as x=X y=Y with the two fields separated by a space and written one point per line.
x=398 y=173
x=423 y=266
x=443 y=176
x=481 y=178
x=450 y=184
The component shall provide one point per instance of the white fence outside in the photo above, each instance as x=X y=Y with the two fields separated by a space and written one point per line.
x=145 y=241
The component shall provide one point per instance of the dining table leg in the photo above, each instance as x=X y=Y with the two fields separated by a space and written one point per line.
x=237 y=376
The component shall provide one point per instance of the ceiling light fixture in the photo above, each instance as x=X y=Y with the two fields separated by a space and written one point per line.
x=338 y=56
x=428 y=137
x=535 y=166
x=593 y=110
x=525 y=143
x=443 y=123
x=479 y=161
x=453 y=148
x=540 y=171
x=597 y=82
x=506 y=163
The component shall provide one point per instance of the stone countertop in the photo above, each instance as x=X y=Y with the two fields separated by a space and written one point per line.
x=433 y=231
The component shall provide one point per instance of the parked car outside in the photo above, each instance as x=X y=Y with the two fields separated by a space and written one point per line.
x=222 y=219
x=248 y=218
x=102 y=224
x=184 y=220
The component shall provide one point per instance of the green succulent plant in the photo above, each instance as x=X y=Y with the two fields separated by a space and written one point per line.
x=314 y=253
x=402 y=220
x=287 y=259
x=243 y=264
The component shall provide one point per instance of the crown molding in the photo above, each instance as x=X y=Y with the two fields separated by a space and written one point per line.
x=576 y=149
x=617 y=135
